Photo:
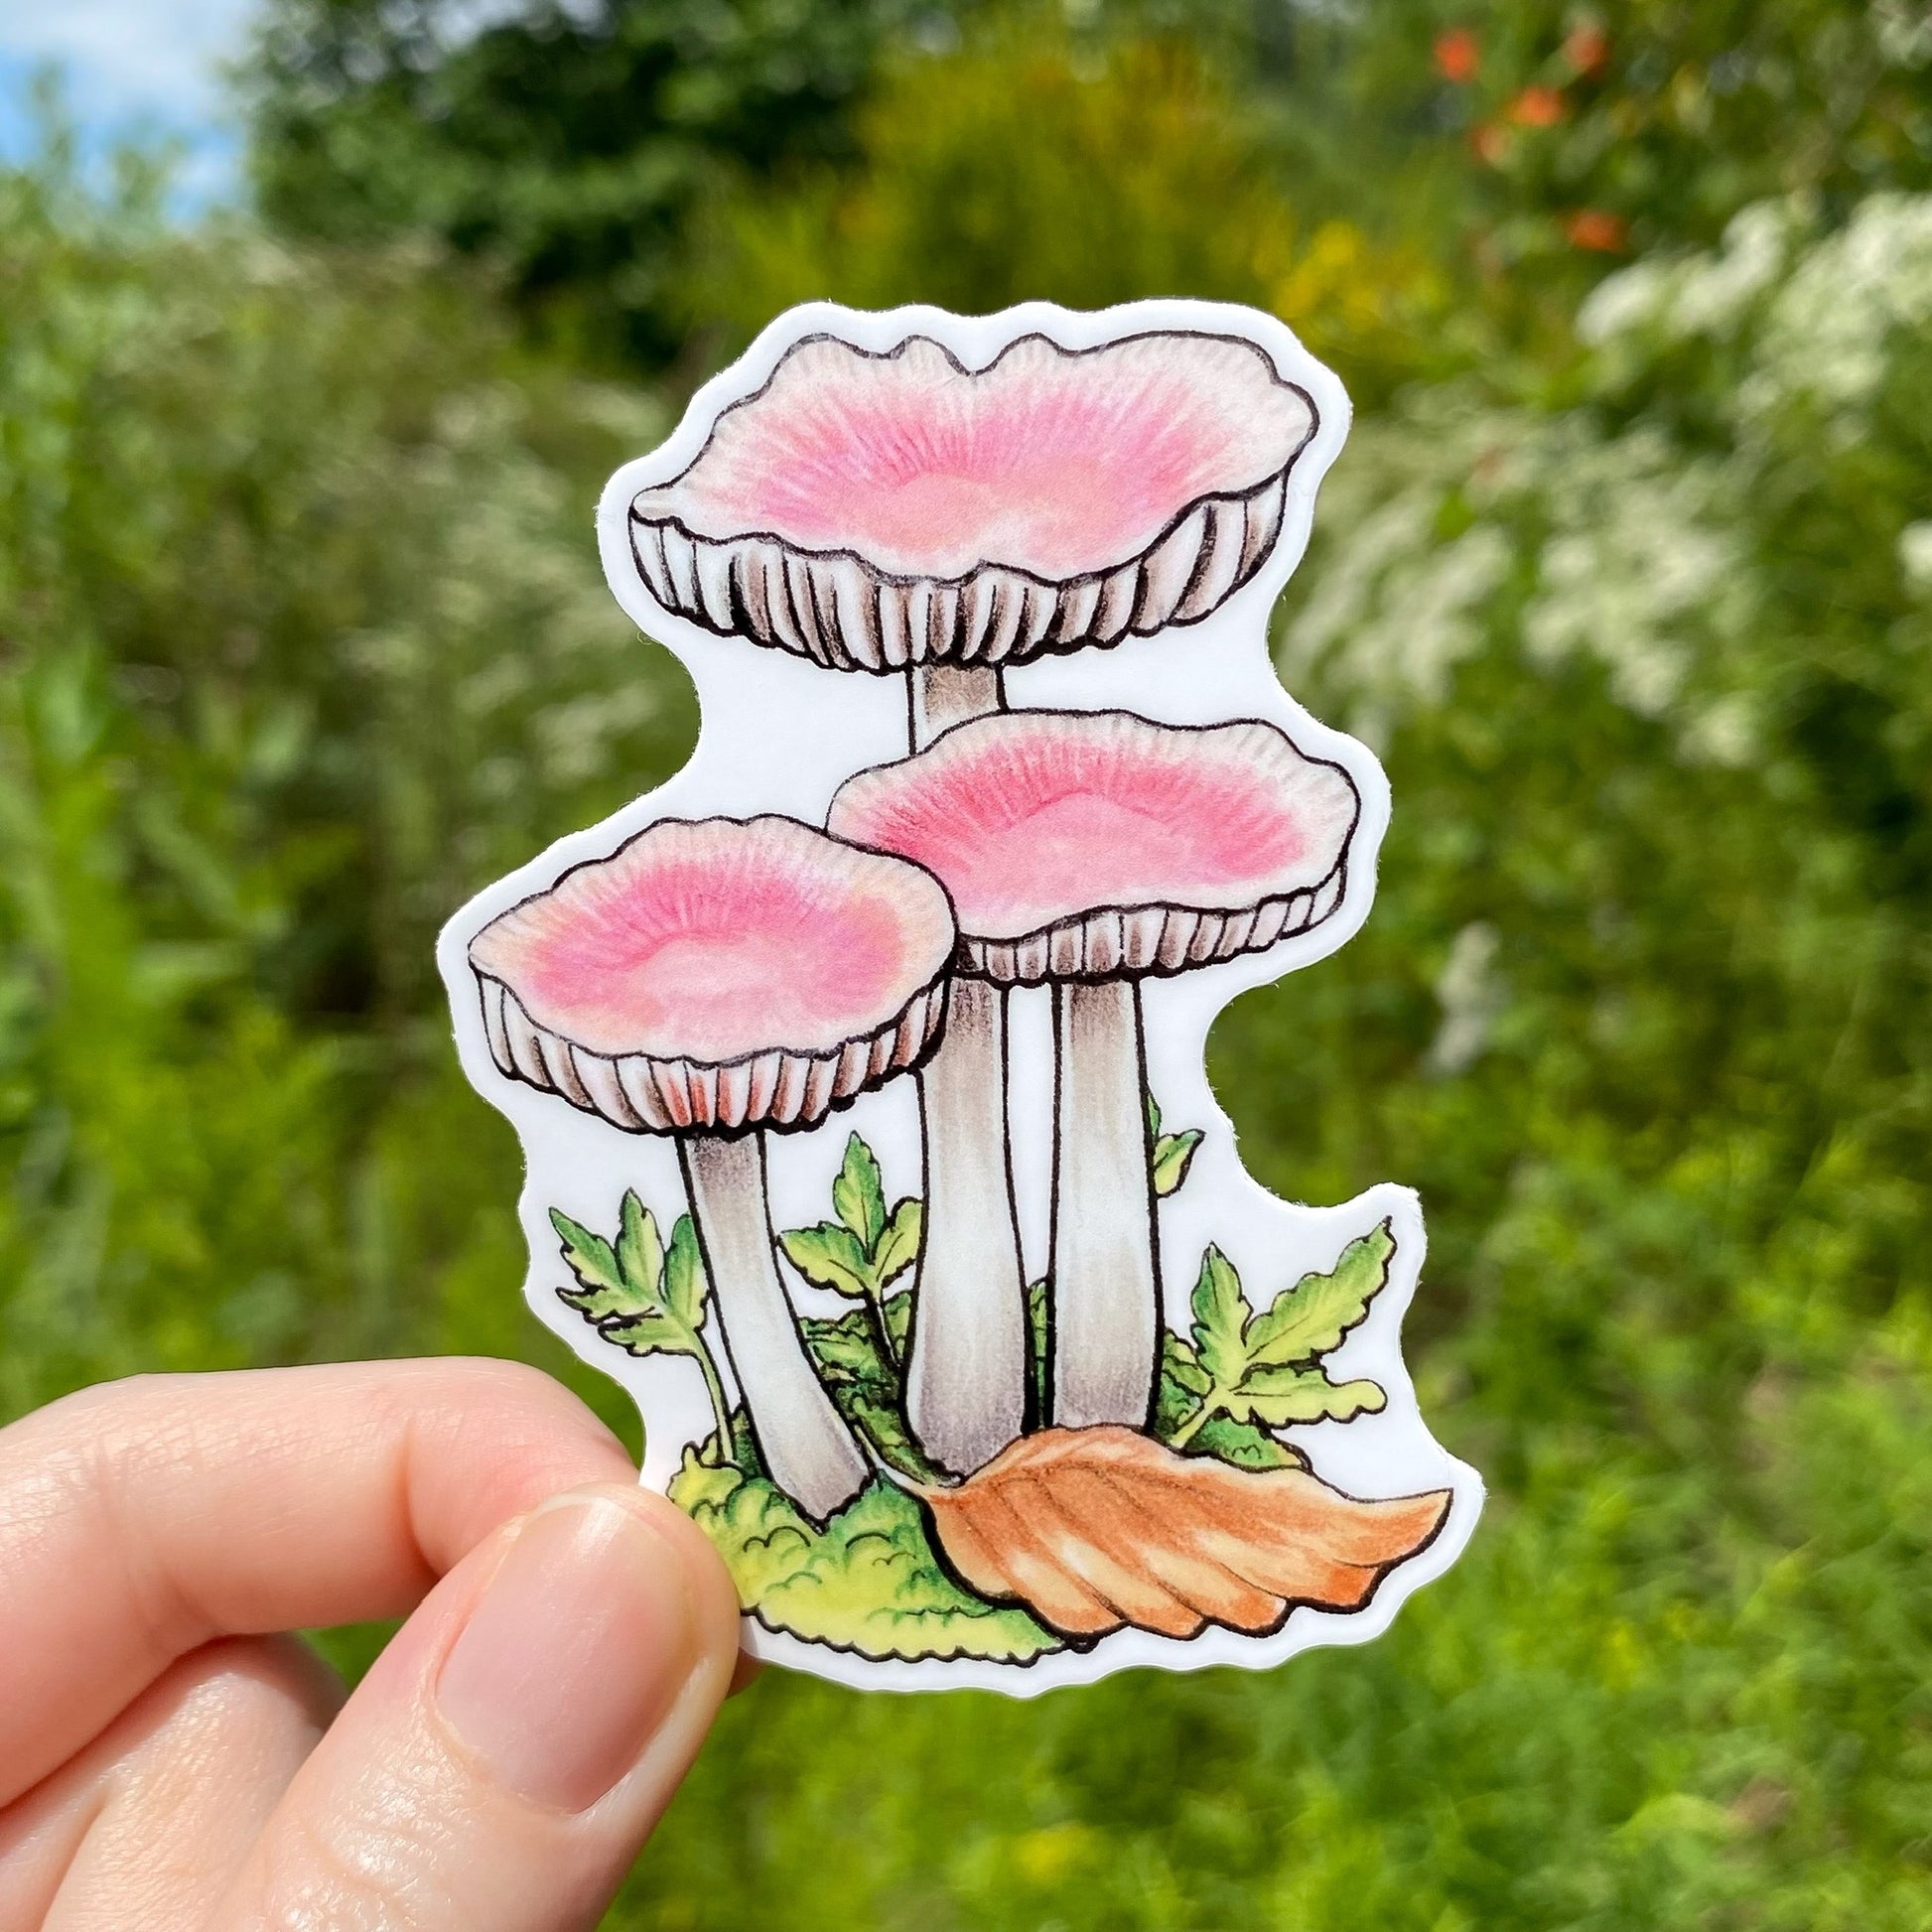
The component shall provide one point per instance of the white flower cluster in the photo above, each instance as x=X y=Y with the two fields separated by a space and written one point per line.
x=1576 y=544
x=1834 y=325
x=1823 y=313
x=1676 y=298
x=1400 y=600
x=1641 y=557
x=1600 y=532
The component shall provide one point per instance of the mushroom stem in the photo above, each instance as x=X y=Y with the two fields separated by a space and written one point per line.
x=807 y=1451
x=1105 y=1284
x=944 y=695
x=966 y=1370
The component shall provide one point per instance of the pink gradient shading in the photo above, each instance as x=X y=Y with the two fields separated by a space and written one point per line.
x=1035 y=817
x=1057 y=464
x=718 y=939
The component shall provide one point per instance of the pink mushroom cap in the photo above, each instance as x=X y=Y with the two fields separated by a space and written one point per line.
x=718 y=973
x=1080 y=845
x=873 y=510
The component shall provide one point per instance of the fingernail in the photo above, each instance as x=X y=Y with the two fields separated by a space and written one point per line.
x=575 y=1653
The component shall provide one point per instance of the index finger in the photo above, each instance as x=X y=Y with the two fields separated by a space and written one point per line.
x=141 y=1519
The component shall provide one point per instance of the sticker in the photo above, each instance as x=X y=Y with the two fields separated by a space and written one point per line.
x=860 y=1068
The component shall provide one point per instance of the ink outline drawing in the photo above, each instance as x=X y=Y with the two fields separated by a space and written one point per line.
x=860 y=1068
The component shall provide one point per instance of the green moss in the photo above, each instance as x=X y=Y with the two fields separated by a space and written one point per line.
x=869 y=1581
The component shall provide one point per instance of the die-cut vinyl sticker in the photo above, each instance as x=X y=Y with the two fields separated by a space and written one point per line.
x=859 y=1068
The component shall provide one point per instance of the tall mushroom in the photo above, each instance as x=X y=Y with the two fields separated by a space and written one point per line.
x=1093 y=850
x=713 y=979
x=897 y=511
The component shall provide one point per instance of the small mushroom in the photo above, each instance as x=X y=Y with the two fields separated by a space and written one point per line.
x=713 y=979
x=1091 y=849
x=896 y=510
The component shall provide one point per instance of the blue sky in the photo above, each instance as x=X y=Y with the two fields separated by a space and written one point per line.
x=141 y=67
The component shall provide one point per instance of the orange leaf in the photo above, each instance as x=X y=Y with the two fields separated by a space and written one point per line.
x=1096 y=1528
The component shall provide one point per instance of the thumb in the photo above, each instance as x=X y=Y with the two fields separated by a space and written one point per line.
x=510 y=1750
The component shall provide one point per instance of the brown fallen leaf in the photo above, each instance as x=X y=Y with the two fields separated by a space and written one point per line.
x=1096 y=1528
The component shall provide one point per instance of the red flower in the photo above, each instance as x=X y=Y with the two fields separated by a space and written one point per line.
x=1458 y=56
x=1599 y=230
x=1586 y=47
x=1537 y=107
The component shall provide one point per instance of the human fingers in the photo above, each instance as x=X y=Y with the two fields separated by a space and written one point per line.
x=147 y=1825
x=510 y=1750
x=141 y=1519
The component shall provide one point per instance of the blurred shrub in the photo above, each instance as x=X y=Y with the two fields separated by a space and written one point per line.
x=1028 y=166
x=303 y=638
x=1634 y=124
x=605 y=155
x=566 y=143
x=1540 y=143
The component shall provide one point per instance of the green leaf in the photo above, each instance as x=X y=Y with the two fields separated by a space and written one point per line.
x=899 y=1318
x=592 y=1303
x=640 y=1251
x=594 y=1264
x=858 y=1198
x=882 y=1425
x=1245 y=1445
x=1347 y=1400
x=1220 y=1319
x=1311 y=1318
x=684 y=1277
x=645 y=1335
x=829 y=1255
x=590 y=1257
x=1259 y=1371
x=1183 y=1365
x=638 y=1296
x=1037 y=1320
x=1173 y=1401
x=1178 y=1411
x=1173 y=1154
x=864 y=1385
x=744 y=1445
x=845 y=1354
x=899 y=1246
x=1280 y=1396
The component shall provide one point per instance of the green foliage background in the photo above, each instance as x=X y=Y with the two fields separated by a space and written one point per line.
x=1627 y=572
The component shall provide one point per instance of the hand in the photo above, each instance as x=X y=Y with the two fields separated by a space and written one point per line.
x=168 y=1760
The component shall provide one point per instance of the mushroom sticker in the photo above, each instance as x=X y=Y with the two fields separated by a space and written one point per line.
x=859 y=1068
